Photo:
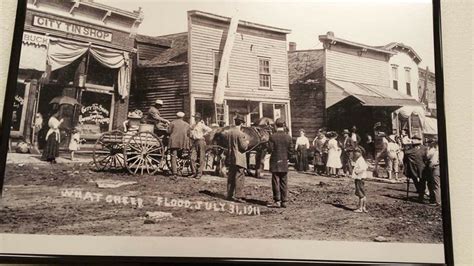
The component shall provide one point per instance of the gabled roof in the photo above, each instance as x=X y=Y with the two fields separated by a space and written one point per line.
x=177 y=53
x=153 y=40
x=403 y=47
x=305 y=65
x=241 y=22
x=330 y=38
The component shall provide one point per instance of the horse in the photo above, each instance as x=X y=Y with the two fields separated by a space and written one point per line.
x=258 y=136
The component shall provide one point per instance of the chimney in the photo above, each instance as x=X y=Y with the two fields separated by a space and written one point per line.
x=292 y=47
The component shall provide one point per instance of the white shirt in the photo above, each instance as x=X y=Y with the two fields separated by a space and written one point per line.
x=393 y=147
x=200 y=130
x=433 y=157
x=360 y=169
x=302 y=141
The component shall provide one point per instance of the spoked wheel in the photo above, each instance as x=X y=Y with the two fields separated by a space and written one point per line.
x=183 y=162
x=108 y=151
x=143 y=153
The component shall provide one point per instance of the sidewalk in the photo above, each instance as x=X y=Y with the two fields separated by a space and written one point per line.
x=27 y=158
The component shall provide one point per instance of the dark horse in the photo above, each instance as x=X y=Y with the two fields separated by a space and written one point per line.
x=258 y=135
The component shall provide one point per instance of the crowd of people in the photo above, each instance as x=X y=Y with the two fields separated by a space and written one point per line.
x=333 y=155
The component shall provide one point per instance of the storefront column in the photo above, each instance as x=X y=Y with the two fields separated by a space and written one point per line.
x=30 y=111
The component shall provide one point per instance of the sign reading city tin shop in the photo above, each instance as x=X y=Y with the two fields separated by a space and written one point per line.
x=72 y=28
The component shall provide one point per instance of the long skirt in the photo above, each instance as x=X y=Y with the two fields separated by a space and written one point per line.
x=334 y=159
x=51 y=150
x=302 y=158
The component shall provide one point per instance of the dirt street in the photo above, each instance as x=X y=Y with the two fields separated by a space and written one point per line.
x=45 y=199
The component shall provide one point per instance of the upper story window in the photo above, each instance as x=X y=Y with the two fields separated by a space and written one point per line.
x=395 y=77
x=408 y=80
x=217 y=66
x=265 y=78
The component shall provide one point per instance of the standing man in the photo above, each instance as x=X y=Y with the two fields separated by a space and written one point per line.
x=348 y=146
x=198 y=148
x=179 y=132
x=382 y=154
x=415 y=166
x=280 y=145
x=154 y=117
x=354 y=136
x=236 y=160
x=434 y=182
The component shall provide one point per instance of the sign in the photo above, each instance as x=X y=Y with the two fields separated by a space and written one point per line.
x=59 y=25
x=36 y=39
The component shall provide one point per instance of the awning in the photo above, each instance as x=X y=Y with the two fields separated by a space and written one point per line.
x=375 y=95
x=431 y=126
x=33 y=51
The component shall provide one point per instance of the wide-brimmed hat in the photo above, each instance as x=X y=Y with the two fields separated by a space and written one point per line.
x=239 y=117
x=180 y=114
x=160 y=102
x=346 y=131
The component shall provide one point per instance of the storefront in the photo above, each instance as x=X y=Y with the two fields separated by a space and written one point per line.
x=73 y=55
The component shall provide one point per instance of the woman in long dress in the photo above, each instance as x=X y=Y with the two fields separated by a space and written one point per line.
x=319 y=160
x=53 y=138
x=301 y=147
x=334 y=154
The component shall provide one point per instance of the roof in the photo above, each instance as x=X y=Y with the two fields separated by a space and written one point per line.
x=153 y=40
x=403 y=47
x=305 y=65
x=135 y=14
x=241 y=22
x=177 y=53
x=329 y=37
x=374 y=95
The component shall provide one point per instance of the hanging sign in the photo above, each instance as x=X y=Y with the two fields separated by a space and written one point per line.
x=36 y=39
x=72 y=28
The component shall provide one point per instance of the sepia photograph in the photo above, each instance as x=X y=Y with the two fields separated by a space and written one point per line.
x=305 y=120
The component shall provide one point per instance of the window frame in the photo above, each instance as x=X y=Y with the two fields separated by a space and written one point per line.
x=394 y=69
x=408 y=80
x=260 y=74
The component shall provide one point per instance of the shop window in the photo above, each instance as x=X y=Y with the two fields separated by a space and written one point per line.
x=99 y=74
x=19 y=107
x=96 y=112
x=395 y=77
x=264 y=73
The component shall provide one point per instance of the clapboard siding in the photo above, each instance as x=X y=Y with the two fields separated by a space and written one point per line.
x=307 y=108
x=208 y=37
x=148 y=51
x=354 y=68
x=169 y=84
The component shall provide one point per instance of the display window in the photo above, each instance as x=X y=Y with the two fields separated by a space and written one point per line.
x=19 y=107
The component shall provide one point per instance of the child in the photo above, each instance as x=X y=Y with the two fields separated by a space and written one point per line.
x=75 y=140
x=359 y=173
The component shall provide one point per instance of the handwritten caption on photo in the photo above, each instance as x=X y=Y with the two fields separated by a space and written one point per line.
x=138 y=202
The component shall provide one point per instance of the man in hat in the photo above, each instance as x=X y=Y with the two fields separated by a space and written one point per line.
x=179 y=132
x=153 y=116
x=354 y=136
x=415 y=166
x=348 y=146
x=236 y=160
x=198 y=145
x=280 y=145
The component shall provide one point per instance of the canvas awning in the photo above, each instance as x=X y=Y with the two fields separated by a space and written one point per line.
x=431 y=126
x=375 y=95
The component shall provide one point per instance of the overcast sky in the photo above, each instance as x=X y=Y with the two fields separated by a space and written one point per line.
x=375 y=22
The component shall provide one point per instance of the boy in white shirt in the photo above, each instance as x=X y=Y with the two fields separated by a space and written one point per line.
x=359 y=173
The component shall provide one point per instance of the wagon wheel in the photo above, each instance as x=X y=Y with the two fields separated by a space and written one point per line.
x=143 y=153
x=183 y=162
x=108 y=151
x=215 y=160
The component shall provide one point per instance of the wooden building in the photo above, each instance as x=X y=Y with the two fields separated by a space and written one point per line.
x=81 y=49
x=185 y=75
x=344 y=84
